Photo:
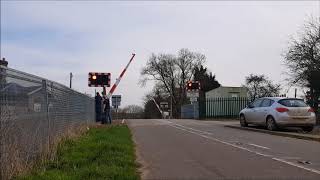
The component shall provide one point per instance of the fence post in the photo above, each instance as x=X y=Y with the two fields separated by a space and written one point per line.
x=2 y=103
x=46 y=111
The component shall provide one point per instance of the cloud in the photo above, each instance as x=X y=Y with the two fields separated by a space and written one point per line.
x=54 y=38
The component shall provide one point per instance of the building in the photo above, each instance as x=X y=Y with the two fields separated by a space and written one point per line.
x=227 y=92
x=226 y=101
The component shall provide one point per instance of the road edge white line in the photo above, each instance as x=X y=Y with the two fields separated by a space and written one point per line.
x=296 y=165
x=245 y=149
x=263 y=147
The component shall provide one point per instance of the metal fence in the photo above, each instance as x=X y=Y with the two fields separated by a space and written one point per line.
x=225 y=107
x=190 y=111
x=34 y=112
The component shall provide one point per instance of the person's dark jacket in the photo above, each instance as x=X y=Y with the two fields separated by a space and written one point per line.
x=107 y=105
x=98 y=100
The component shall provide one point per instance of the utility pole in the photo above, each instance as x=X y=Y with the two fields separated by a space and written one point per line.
x=71 y=79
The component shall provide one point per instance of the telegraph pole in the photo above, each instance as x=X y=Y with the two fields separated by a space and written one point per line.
x=71 y=80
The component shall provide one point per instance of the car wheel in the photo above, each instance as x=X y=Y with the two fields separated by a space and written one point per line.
x=307 y=129
x=271 y=124
x=243 y=121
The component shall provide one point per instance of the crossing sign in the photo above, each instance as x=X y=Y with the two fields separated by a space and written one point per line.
x=192 y=94
x=116 y=101
x=193 y=99
x=164 y=105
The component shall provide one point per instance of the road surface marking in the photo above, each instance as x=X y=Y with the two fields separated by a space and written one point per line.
x=203 y=132
x=265 y=155
x=296 y=165
x=258 y=146
x=288 y=157
x=122 y=121
x=245 y=149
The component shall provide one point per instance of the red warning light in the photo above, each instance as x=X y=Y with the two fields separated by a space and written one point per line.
x=193 y=86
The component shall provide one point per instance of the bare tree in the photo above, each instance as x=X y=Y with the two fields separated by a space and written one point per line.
x=171 y=73
x=187 y=62
x=303 y=59
x=160 y=68
x=151 y=110
x=260 y=86
x=132 y=109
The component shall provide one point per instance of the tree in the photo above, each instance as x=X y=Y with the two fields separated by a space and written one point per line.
x=171 y=73
x=130 y=112
x=207 y=83
x=151 y=110
x=206 y=79
x=303 y=60
x=187 y=62
x=260 y=86
x=132 y=109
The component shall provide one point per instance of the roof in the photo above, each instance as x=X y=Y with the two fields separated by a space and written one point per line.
x=274 y=98
x=278 y=98
x=227 y=87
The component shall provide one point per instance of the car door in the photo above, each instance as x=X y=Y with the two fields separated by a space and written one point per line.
x=252 y=111
x=262 y=111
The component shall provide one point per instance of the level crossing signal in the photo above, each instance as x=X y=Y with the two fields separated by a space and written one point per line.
x=96 y=79
x=193 y=86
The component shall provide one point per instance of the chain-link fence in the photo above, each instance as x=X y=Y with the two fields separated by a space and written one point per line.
x=34 y=112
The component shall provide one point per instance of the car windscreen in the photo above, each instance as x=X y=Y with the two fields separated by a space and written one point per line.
x=292 y=103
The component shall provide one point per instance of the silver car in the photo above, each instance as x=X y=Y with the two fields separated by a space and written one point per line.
x=274 y=112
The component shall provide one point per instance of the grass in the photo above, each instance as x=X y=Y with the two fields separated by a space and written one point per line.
x=102 y=153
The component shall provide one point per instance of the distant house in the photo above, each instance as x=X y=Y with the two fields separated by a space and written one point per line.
x=227 y=92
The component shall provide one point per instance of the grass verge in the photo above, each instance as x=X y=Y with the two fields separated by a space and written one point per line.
x=101 y=153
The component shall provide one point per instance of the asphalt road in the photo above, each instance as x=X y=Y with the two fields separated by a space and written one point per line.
x=191 y=149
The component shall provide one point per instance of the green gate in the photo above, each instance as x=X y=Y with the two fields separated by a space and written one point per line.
x=225 y=107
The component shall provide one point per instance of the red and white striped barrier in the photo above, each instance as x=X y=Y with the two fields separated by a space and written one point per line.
x=119 y=79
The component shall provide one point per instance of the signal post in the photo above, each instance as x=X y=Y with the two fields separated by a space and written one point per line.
x=193 y=88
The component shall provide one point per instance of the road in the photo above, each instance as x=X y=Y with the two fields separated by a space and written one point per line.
x=192 y=149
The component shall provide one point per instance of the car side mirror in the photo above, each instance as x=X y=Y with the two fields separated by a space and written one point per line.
x=250 y=106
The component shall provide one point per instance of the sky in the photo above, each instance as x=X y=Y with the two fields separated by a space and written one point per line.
x=53 y=38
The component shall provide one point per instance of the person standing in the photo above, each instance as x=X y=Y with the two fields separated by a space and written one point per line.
x=98 y=107
x=107 y=111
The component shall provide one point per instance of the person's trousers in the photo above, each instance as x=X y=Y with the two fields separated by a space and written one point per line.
x=98 y=116
x=107 y=117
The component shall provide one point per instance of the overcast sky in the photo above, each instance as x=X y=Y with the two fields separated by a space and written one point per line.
x=52 y=39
